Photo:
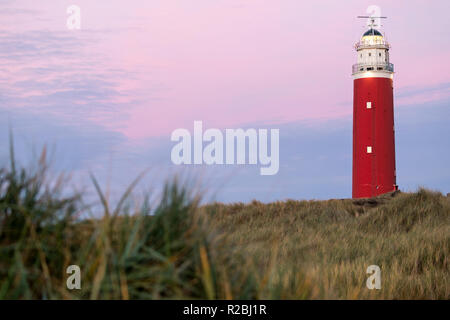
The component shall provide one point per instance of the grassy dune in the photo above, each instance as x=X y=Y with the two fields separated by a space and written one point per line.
x=177 y=249
x=331 y=243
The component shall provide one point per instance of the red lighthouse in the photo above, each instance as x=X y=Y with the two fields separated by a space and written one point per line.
x=373 y=117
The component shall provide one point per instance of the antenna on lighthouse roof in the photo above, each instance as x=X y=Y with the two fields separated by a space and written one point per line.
x=372 y=24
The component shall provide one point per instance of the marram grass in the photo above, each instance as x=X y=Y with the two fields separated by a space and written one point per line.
x=177 y=249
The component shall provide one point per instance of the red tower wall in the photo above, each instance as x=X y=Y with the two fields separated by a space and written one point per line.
x=373 y=173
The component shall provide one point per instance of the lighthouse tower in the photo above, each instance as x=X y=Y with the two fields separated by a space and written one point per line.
x=373 y=117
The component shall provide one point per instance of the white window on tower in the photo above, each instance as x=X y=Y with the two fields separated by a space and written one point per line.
x=369 y=105
x=369 y=149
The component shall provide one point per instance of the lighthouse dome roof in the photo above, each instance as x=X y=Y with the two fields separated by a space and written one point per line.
x=372 y=32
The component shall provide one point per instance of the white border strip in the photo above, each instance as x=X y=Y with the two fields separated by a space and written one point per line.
x=373 y=74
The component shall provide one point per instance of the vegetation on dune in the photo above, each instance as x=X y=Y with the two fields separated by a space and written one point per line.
x=333 y=242
x=179 y=249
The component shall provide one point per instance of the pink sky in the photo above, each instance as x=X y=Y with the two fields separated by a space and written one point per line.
x=109 y=95
x=229 y=62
